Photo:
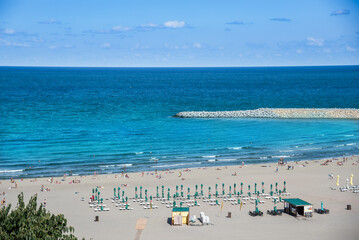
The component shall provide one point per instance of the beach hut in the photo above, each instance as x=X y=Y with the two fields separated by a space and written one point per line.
x=180 y=215
x=295 y=206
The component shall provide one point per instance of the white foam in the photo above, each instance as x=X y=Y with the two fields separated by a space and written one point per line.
x=286 y=151
x=351 y=135
x=175 y=165
x=11 y=171
x=227 y=160
x=127 y=164
x=211 y=160
x=350 y=144
x=138 y=153
x=280 y=156
x=263 y=157
x=341 y=145
x=107 y=166
x=153 y=158
x=235 y=148
x=308 y=149
x=213 y=156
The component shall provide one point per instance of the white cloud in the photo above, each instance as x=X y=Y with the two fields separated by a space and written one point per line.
x=174 y=24
x=197 y=45
x=149 y=25
x=50 y=21
x=9 y=31
x=350 y=49
x=120 y=28
x=106 y=45
x=13 y=44
x=315 y=41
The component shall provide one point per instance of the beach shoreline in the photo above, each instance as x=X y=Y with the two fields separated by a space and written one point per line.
x=307 y=180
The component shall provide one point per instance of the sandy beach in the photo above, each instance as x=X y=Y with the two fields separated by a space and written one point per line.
x=309 y=180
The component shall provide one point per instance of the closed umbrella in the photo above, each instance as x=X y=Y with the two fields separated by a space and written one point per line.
x=255 y=188
x=337 y=180
x=351 y=179
x=230 y=191
x=234 y=189
x=262 y=187
x=163 y=191
x=141 y=192
x=157 y=195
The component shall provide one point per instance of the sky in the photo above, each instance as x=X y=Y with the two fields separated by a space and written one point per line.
x=195 y=33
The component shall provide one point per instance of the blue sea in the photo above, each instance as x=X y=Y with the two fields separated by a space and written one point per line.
x=80 y=120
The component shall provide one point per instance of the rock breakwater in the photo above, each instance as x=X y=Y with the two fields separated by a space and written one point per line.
x=322 y=113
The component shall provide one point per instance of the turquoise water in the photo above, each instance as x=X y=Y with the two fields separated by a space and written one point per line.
x=80 y=120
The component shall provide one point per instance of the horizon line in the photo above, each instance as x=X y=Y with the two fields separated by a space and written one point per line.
x=249 y=66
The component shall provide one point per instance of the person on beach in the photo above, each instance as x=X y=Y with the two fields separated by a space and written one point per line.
x=45 y=202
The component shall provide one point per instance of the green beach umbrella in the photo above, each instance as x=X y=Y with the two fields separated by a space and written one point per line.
x=176 y=191
x=201 y=189
x=222 y=188
x=275 y=205
x=216 y=201
x=234 y=189
x=163 y=191
x=284 y=189
x=209 y=191
x=262 y=187
x=255 y=188
x=271 y=189
x=181 y=190
x=146 y=192
x=216 y=186
x=136 y=193
x=195 y=203
x=114 y=193
x=249 y=190
x=174 y=203
x=141 y=192
x=276 y=187
x=188 y=194
x=168 y=195
x=239 y=201
x=216 y=193
x=230 y=191
x=157 y=195
x=321 y=206
x=181 y=204
x=241 y=188
x=257 y=206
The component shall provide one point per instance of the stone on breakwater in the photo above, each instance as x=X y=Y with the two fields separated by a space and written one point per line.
x=329 y=113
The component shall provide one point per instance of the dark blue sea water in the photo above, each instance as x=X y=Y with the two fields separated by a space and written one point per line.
x=56 y=120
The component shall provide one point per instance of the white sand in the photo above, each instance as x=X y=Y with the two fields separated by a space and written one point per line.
x=310 y=183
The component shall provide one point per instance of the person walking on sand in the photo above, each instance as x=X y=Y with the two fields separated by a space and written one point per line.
x=45 y=202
